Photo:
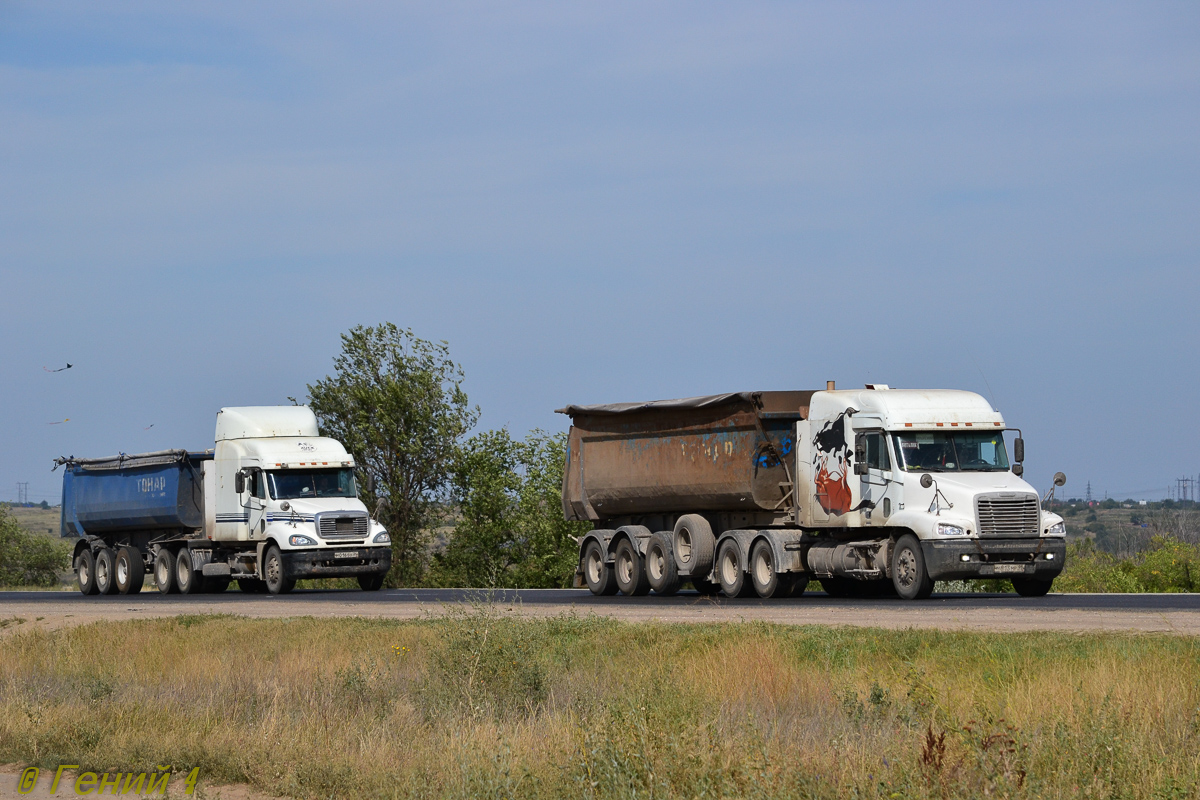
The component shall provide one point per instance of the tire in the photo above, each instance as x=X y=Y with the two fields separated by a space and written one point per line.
x=598 y=575
x=660 y=565
x=164 y=572
x=706 y=587
x=251 y=586
x=106 y=571
x=766 y=581
x=731 y=572
x=909 y=573
x=216 y=585
x=630 y=570
x=370 y=583
x=131 y=570
x=798 y=587
x=275 y=572
x=187 y=577
x=837 y=587
x=85 y=572
x=693 y=544
x=1032 y=587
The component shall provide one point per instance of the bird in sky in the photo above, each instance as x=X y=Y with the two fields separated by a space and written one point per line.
x=60 y=422
x=60 y=369
x=148 y=427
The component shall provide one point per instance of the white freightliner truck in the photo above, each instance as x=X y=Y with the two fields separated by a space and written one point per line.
x=273 y=502
x=873 y=492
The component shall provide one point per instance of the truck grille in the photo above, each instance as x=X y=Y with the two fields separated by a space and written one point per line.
x=1007 y=514
x=342 y=526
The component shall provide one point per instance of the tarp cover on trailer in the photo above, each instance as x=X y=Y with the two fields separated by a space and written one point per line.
x=126 y=461
x=705 y=401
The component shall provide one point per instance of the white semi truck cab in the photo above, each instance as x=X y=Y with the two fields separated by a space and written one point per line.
x=273 y=503
x=873 y=491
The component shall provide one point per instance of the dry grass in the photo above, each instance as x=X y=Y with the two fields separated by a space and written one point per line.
x=478 y=704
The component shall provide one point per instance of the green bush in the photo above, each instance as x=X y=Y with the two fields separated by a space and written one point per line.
x=1170 y=566
x=27 y=559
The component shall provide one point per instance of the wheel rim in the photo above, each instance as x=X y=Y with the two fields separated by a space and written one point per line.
x=625 y=568
x=102 y=571
x=683 y=546
x=656 y=564
x=85 y=575
x=594 y=566
x=763 y=569
x=906 y=568
x=181 y=571
x=273 y=571
x=122 y=571
x=161 y=573
x=729 y=569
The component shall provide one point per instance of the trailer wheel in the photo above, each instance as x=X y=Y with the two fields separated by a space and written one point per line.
x=1032 y=587
x=187 y=578
x=131 y=570
x=370 y=583
x=631 y=572
x=598 y=575
x=731 y=572
x=799 y=584
x=85 y=571
x=693 y=544
x=276 y=573
x=705 y=587
x=251 y=586
x=767 y=582
x=660 y=565
x=909 y=573
x=164 y=571
x=215 y=585
x=106 y=571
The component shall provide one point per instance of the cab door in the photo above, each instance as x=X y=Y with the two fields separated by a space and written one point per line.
x=874 y=468
x=256 y=502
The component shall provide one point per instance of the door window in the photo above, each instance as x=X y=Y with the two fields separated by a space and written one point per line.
x=877 y=451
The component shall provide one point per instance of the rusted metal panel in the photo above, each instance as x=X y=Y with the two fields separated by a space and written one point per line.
x=729 y=452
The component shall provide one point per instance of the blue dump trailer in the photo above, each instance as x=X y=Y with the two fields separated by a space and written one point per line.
x=273 y=502
x=141 y=495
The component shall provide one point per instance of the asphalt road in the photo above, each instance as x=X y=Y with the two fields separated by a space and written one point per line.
x=1169 y=613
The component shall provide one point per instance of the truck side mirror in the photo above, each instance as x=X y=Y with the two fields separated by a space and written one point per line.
x=239 y=482
x=926 y=480
x=1018 y=450
x=1059 y=479
x=1018 y=470
x=860 y=454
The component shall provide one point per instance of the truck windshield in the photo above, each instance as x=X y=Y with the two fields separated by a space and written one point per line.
x=952 y=452
x=292 y=484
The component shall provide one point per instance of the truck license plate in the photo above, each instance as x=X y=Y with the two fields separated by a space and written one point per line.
x=346 y=554
x=999 y=568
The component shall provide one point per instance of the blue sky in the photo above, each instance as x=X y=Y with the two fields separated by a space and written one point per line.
x=598 y=202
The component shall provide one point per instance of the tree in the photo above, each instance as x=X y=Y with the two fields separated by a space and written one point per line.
x=396 y=402
x=510 y=530
x=27 y=559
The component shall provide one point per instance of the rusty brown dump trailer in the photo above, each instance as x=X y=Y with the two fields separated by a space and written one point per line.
x=756 y=492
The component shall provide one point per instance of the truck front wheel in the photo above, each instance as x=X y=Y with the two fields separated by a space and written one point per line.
x=85 y=570
x=631 y=574
x=275 y=573
x=598 y=575
x=909 y=573
x=106 y=571
x=1032 y=587
x=370 y=583
x=164 y=571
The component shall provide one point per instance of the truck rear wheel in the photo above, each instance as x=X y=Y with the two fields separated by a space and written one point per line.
x=731 y=572
x=909 y=573
x=598 y=575
x=187 y=578
x=251 y=586
x=1032 y=587
x=767 y=582
x=106 y=571
x=799 y=584
x=85 y=571
x=630 y=571
x=275 y=572
x=215 y=585
x=693 y=544
x=660 y=565
x=164 y=571
x=131 y=570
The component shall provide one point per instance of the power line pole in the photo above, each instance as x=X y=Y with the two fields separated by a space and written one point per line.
x=22 y=493
x=1089 y=493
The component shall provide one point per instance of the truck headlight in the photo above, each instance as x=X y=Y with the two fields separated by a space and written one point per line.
x=382 y=538
x=1057 y=529
x=946 y=529
x=296 y=540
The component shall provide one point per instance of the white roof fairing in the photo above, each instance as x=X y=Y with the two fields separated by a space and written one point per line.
x=265 y=422
x=899 y=408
